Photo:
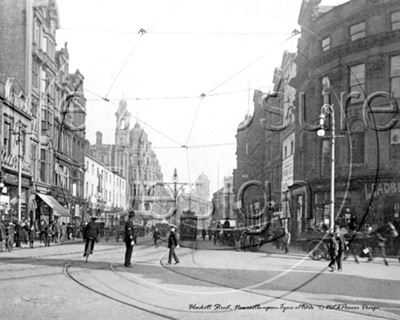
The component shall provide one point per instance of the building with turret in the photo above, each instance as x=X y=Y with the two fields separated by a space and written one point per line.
x=132 y=157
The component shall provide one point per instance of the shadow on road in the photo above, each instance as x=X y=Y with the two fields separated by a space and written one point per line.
x=232 y=278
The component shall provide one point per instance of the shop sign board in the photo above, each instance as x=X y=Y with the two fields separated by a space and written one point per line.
x=287 y=173
x=10 y=161
x=382 y=188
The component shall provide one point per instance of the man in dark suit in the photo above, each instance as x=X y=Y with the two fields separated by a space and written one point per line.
x=172 y=244
x=129 y=239
x=91 y=232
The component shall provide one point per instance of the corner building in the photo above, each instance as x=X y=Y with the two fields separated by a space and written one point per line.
x=357 y=46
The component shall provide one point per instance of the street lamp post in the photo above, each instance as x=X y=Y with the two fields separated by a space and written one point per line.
x=175 y=188
x=19 y=171
x=328 y=109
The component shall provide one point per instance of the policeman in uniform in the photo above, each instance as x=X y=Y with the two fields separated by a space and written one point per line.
x=129 y=239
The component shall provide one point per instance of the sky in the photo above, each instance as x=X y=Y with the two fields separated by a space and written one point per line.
x=188 y=77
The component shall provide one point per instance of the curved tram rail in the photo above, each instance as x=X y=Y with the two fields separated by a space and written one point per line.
x=136 y=302
x=107 y=296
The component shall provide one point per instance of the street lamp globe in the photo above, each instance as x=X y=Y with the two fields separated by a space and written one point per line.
x=321 y=132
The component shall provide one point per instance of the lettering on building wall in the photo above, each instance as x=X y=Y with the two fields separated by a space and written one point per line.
x=383 y=188
x=10 y=161
x=14 y=97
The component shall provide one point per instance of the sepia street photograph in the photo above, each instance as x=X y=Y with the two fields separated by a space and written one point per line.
x=199 y=160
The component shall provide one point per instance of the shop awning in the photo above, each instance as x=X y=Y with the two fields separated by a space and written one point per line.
x=58 y=209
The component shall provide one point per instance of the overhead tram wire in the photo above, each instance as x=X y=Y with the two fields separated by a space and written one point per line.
x=199 y=146
x=172 y=33
x=141 y=33
x=204 y=95
x=139 y=120
x=294 y=33
x=188 y=97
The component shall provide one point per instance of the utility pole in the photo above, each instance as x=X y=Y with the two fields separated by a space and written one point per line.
x=175 y=187
x=19 y=140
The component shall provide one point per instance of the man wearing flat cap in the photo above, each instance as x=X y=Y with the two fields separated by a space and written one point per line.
x=129 y=239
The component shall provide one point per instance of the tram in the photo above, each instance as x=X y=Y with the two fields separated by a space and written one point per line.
x=188 y=226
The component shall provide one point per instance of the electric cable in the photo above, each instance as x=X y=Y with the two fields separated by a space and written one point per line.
x=293 y=34
x=141 y=33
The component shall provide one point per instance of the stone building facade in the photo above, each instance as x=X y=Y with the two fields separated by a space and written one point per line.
x=356 y=45
x=104 y=190
x=53 y=134
x=284 y=130
x=132 y=157
x=250 y=161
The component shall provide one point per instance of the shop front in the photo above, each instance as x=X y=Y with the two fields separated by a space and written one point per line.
x=383 y=199
x=348 y=201
x=15 y=121
x=9 y=211
x=48 y=208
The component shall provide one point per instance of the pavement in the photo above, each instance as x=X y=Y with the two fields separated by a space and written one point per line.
x=223 y=283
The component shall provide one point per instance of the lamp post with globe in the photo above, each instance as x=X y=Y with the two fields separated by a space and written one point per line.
x=328 y=109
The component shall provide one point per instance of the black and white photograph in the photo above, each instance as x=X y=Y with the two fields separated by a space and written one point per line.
x=199 y=160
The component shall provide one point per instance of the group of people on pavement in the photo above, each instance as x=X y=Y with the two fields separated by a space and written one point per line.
x=53 y=232
x=27 y=232
x=21 y=232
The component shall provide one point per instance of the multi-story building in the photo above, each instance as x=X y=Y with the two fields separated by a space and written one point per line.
x=69 y=136
x=104 y=191
x=250 y=167
x=54 y=137
x=132 y=156
x=15 y=122
x=284 y=130
x=356 y=46
x=224 y=203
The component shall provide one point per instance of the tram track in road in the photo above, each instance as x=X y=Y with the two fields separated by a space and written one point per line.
x=218 y=284
x=244 y=290
x=273 y=298
x=110 y=297
x=26 y=260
